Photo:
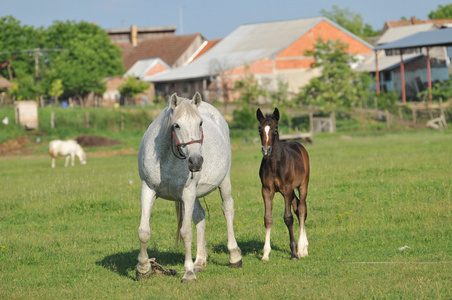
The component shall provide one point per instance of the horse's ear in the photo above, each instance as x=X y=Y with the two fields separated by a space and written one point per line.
x=174 y=100
x=259 y=115
x=276 y=114
x=197 y=99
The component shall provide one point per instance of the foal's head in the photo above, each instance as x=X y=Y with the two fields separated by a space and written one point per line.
x=268 y=130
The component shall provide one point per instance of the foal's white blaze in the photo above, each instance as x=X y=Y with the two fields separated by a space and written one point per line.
x=267 y=130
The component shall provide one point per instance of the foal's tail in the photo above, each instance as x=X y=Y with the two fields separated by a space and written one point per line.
x=179 y=220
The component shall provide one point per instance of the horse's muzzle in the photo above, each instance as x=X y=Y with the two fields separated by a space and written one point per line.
x=195 y=163
x=266 y=150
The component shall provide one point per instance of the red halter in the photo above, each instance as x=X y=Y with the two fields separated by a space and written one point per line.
x=179 y=144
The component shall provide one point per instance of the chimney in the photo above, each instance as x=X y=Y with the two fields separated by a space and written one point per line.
x=413 y=20
x=134 y=35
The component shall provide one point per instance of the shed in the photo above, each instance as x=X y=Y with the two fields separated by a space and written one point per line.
x=26 y=113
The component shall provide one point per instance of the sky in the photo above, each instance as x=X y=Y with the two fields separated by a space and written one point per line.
x=214 y=19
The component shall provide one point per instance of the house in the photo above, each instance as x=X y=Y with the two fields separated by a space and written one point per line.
x=413 y=21
x=147 y=67
x=415 y=60
x=271 y=51
x=147 y=51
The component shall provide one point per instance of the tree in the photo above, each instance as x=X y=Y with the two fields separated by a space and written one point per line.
x=442 y=12
x=19 y=58
x=88 y=56
x=132 y=87
x=349 y=20
x=338 y=86
x=56 y=90
x=249 y=88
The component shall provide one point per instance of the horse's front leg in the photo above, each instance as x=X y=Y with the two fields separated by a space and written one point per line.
x=302 y=213
x=199 y=218
x=267 y=195
x=289 y=197
x=188 y=203
x=148 y=196
x=235 y=254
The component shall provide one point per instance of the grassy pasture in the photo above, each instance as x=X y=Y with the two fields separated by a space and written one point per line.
x=71 y=233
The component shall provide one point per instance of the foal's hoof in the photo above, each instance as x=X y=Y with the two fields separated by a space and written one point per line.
x=236 y=264
x=188 y=277
x=143 y=275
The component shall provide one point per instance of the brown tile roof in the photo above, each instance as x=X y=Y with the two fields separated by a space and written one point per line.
x=414 y=21
x=207 y=47
x=168 y=48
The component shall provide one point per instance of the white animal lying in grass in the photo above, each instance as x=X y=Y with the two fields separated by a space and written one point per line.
x=68 y=148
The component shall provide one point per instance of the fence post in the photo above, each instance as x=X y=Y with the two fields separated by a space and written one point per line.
x=388 y=124
x=52 y=119
x=87 y=119
x=122 y=122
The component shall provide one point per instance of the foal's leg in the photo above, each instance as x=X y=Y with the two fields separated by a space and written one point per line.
x=235 y=254
x=53 y=162
x=148 y=197
x=267 y=195
x=289 y=197
x=67 y=161
x=302 y=213
x=199 y=218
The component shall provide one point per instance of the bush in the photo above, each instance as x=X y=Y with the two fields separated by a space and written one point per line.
x=244 y=118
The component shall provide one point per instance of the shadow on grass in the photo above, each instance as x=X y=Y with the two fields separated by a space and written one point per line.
x=125 y=262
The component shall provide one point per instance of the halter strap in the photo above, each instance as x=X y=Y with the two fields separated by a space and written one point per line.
x=179 y=144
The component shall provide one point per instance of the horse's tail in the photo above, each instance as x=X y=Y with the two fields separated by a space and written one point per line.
x=179 y=220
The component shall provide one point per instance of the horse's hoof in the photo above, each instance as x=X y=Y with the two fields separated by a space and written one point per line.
x=236 y=264
x=143 y=275
x=188 y=277
x=294 y=258
x=198 y=269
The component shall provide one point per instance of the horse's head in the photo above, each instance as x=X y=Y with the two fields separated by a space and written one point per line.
x=268 y=130
x=187 y=133
x=81 y=155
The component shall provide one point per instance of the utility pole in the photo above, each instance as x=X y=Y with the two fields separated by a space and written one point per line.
x=181 y=22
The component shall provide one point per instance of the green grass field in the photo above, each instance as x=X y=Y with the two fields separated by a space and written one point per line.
x=71 y=233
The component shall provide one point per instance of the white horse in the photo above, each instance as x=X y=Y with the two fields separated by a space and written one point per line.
x=185 y=154
x=69 y=148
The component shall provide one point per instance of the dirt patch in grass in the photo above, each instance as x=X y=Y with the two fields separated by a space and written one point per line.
x=16 y=146
x=96 y=141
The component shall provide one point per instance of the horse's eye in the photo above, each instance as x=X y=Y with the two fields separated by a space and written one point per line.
x=176 y=126
x=200 y=124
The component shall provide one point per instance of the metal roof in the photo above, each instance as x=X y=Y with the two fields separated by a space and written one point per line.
x=440 y=37
x=246 y=44
x=385 y=63
x=141 y=67
x=397 y=33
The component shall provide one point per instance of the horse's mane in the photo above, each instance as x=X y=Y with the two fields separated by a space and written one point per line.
x=184 y=109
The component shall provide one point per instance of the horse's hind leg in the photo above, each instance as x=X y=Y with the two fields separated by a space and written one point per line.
x=148 y=197
x=199 y=218
x=302 y=213
x=235 y=255
x=67 y=161
x=289 y=197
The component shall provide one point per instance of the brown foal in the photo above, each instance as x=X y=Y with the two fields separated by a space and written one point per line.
x=284 y=168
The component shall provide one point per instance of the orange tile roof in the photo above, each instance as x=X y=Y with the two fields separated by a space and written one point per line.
x=168 y=48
